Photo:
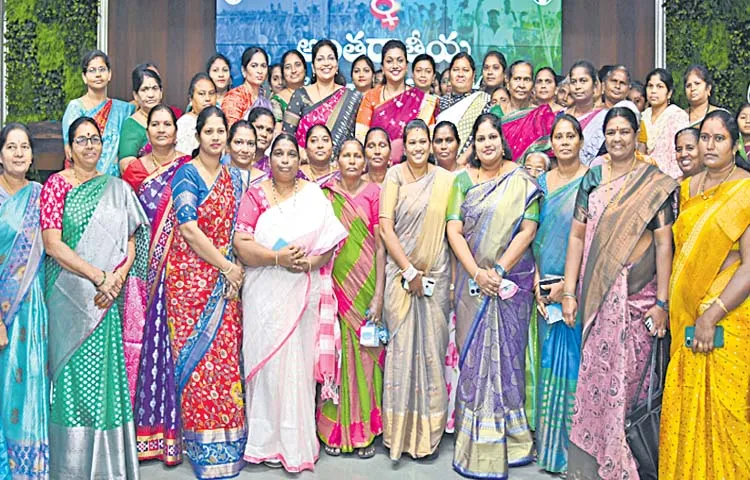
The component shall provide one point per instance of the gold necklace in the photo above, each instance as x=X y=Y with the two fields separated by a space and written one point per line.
x=412 y=172
x=82 y=181
x=616 y=198
x=479 y=172
x=703 y=183
x=157 y=162
x=394 y=95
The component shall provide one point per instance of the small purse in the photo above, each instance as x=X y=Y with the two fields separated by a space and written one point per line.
x=642 y=420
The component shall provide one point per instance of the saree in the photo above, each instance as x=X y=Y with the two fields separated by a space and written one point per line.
x=337 y=112
x=24 y=403
x=156 y=410
x=393 y=115
x=357 y=419
x=91 y=419
x=110 y=116
x=705 y=423
x=660 y=137
x=560 y=344
x=278 y=107
x=528 y=130
x=592 y=124
x=280 y=358
x=132 y=139
x=615 y=294
x=462 y=111
x=238 y=102
x=415 y=397
x=492 y=432
x=205 y=327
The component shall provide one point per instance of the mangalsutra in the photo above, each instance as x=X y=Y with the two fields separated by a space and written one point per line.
x=157 y=161
x=82 y=181
x=616 y=198
x=276 y=198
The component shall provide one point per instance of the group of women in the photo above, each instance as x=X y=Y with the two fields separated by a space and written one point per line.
x=333 y=265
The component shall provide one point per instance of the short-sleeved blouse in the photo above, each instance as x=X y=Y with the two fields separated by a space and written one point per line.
x=52 y=202
x=462 y=184
x=188 y=192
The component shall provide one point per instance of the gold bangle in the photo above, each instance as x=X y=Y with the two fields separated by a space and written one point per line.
x=227 y=271
x=721 y=305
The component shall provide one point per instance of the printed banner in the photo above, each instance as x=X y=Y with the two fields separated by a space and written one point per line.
x=521 y=29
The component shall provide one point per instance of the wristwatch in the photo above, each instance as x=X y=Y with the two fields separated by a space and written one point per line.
x=663 y=304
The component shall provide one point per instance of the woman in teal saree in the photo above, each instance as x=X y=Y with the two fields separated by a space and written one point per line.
x=24 y=447
x=89 y=226
x=560 y=343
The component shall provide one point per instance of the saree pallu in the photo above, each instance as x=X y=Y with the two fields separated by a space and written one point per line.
x=528 y=130
x=91 y=420
x=24 y=403
x=615 y=294
x=394 y=114
x=239 y=101
x=357 y=419
x=206 y=332
x=705 y=424
x=109 y=115
x=337 y=112
x=280 y=356
x=415 y=397
x=560 y=344
x=492 y=431
x=156 y=409
x=278 y=107
x=462 y=111
x=660 y=137
x=593 y=136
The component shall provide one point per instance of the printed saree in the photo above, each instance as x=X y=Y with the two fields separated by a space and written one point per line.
x=91 y=420
x=393 y=115
x=337 y=112
x=462 y=111
x=592 y=124
x=615 y=293
x=492 y=432
x=356 y=420
x=205 y=327
x=705 y=423
x=660 y=137
x=283 y=310
x=24 y=403
x=415 y=397
x=156 y=409
x=110 y=116
x=560 y=344
x=238 y=102
x=528 y=130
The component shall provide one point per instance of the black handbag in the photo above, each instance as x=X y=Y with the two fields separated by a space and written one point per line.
x=642 y=420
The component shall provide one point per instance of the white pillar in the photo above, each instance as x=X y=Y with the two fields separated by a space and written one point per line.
x=102 y=30
x=660 y=35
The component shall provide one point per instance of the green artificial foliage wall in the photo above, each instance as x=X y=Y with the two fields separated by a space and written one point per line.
x=45 y=40
x=715 y=33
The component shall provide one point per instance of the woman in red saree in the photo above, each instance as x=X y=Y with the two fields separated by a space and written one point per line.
x=156 y=412
x=203 y=311
x=392 y=105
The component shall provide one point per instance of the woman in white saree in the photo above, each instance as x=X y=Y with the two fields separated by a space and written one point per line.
x=286 y=236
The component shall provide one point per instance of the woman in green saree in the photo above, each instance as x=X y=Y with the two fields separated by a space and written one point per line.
x=89 y=226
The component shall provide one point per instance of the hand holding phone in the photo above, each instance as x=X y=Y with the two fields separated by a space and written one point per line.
x=718 y=336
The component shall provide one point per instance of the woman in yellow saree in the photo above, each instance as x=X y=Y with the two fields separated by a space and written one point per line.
x=705 y=425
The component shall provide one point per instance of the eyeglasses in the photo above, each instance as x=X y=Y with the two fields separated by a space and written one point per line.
x=82 y=141
x=536 y=169
x=93 y=70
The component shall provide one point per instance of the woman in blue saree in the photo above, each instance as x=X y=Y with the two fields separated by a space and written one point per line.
x=560 y=342
x=90 y=226
x=492 y=218
x=108 y=113
x=24 y=447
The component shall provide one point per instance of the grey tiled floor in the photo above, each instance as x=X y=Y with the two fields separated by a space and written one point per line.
x=349 y=467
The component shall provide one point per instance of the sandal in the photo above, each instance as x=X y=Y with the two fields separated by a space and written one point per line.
x=366 y=452
x=332 y=451
x=273 y=464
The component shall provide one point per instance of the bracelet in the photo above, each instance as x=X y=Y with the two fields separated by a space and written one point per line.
x=721 y=305
x=104 y=279
x=227 y=271
x=571 y=295
x=476 y=274
x=664 y=305
x=500 y=270
x=409 y=273
x=277 y=259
